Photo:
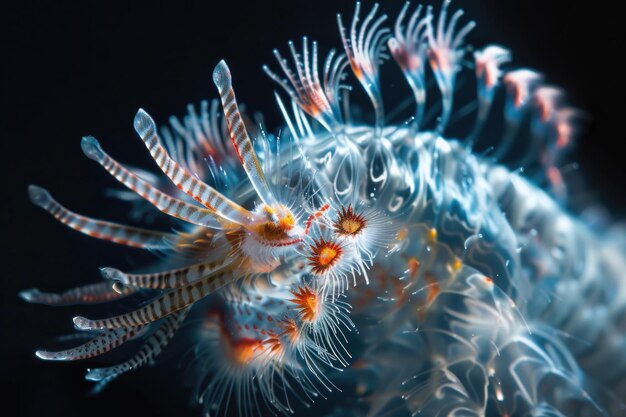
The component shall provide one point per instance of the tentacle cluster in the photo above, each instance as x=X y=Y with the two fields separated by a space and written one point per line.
x=385 y=260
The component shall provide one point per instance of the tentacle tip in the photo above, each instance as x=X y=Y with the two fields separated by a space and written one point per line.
x=91 y=148
x=39 y=196
x=221 y=75
x=42 y=354
x=81 y=323
x=118 y=287
x=94 y=375
x=112 y=274
x=29 y=295
x=143 y=122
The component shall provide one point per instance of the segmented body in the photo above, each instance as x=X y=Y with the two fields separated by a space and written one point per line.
x=438 y=280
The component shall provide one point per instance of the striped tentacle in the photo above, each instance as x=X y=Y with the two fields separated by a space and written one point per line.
x=97 y=346
x=100 y=292
x=238 y=134
x=174 y=278
x=114 y=232
x=168 y=205
x=162 y=306
x=198 y=190
x=150 y=349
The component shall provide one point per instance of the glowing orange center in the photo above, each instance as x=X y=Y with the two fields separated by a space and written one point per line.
x=242 y=350
x=324 y=254
x=348 y=222
x=351 y=226
x=307 y=303
x=327 y=255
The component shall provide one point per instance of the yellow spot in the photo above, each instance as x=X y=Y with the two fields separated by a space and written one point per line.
x=432 y=235
x=457 y=264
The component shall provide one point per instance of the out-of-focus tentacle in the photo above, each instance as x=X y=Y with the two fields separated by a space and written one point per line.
x=174 y=278
x=97 y=346
x=365 y=51
x=198 y=190
x=488 y=63
x=150 y=349
x=162 y=306
x=168 y=205
x=100 y=292
x=519 y=85
x=114 y=232
x=238 y=134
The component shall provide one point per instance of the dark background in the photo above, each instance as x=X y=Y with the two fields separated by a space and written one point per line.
x=76 y=68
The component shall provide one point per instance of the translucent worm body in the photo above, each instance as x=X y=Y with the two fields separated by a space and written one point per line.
x=389 y=261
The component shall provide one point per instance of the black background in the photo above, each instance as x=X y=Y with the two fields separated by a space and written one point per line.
x=76 y=68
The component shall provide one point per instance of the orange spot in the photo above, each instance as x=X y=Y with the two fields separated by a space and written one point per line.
x=555 y=176
x=242 y=350
x=314 y=216
x=433 y=289
x=488 y=280
x=414 y=267
x=402 y=234
x=432 y=234
x=457 y=264
x=307 y=303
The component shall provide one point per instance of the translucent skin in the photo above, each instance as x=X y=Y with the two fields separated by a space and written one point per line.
x=457 y=287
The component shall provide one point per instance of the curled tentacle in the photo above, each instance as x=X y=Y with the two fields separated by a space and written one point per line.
x=319 y=99
x=445 y=55
x=409 y=48
x=365 y=50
